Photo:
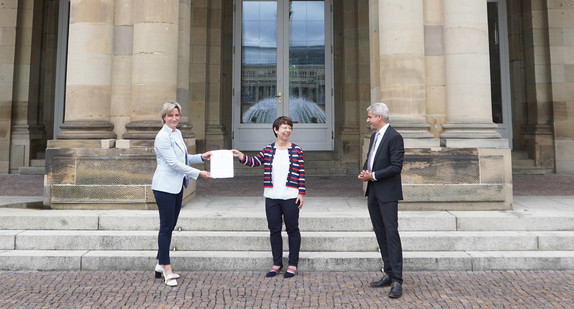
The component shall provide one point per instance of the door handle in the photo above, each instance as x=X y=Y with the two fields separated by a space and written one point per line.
x=279 y=97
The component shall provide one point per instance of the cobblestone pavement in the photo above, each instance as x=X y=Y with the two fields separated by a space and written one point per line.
x=137 y=289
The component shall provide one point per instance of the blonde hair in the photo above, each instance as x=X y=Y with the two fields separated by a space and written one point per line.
x=168 y=107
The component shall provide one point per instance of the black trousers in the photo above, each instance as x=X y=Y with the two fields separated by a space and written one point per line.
x=384 y=217
x=277 y=210
x=169 y=206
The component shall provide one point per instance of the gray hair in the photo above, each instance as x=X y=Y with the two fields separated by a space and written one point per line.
x=380 y=109
x=168 y=107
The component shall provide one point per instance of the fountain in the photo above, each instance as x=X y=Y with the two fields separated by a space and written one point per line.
x=301 y=110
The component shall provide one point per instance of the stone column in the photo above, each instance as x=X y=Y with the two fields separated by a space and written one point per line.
x=398 y=72
x=26 y=131
x=205 y=76
x=469 y=112
x=154 y=66
x=561 y=34
x=89 y=74
x=352 y=65
x=9 y=13
x=434 y=61
x=120 y=110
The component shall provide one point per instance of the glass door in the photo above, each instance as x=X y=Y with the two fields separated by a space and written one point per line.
x=282 y=66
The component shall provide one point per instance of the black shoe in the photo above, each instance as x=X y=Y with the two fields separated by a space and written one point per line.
x=274 y=270
x=385 y=281
x=396 y=290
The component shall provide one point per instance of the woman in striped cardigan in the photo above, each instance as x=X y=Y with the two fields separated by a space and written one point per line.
x=284 y=187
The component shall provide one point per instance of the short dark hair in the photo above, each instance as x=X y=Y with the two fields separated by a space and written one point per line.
x=281 y=120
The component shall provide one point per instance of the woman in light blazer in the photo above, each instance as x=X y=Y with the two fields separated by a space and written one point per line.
x=171 y=175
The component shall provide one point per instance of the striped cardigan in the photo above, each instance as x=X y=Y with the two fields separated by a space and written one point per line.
x=296 y=175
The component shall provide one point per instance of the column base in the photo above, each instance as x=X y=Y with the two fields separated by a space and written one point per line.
x=470 y=131
x=214 y=137
x=475 y=143
x=415 y=132
x=472 y=135
x=142 y=133
x=538 y=141
x=86 y=130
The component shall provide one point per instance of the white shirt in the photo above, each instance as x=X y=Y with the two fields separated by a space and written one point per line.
x=279 y=172
x=377 y=143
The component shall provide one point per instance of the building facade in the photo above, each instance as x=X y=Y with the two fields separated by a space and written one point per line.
x=467 y=82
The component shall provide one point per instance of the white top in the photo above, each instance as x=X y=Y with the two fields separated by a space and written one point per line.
x=279 y=172
x=377 y=143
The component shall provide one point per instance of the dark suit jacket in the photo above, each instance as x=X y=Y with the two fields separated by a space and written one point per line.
x=387 y=165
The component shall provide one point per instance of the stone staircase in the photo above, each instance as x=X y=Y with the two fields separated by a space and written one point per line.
x=37 y=166
x=231 y=234
x=522 y=165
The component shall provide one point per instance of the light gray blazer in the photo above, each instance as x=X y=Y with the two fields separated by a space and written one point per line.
x=171 y=154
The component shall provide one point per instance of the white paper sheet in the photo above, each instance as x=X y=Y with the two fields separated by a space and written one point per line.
x=221 y=164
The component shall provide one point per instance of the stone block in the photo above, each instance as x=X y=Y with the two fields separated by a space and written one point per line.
x=97 y=194
x=41 y=260
x=527 y=260
x=564 y=159
x=123 y=144
x=152 y=11
x=149 y=197
x=434 y=41
x=69 y=144
x=453 y=193
x=436 y=261
x=7 y=239
x=142 y=221
x=499 y=221
x=86 y=240
x=7 y=43
x=433 y=12
x=466 y=241
x=556 y=241
x=492 y=169
x=108 y=143
x=114 y=171
x=17 y=219
x=92 y=11
x=447 y=166
x=8 y=17
x=123 y=40
x=121 y=260
x=60 y=166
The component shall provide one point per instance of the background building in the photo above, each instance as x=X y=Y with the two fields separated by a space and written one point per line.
x=82 y=83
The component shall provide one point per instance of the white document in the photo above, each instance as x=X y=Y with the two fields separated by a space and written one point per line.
x=221 y=164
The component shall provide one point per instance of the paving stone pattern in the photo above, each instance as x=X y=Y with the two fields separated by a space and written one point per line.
x=131 y=289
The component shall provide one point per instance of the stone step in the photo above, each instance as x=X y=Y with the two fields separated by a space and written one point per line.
x=36 y=219
x=260 y=261
x=525 y=170
x=38 y=162
x=523 y=163
x=32 y=170
x=519 y=155
x=311 y=241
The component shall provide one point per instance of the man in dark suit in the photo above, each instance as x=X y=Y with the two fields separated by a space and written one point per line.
x=382 y=171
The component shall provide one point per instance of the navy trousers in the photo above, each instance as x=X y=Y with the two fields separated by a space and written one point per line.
x=169 y=206
x=277 y=210
x=384 y=217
